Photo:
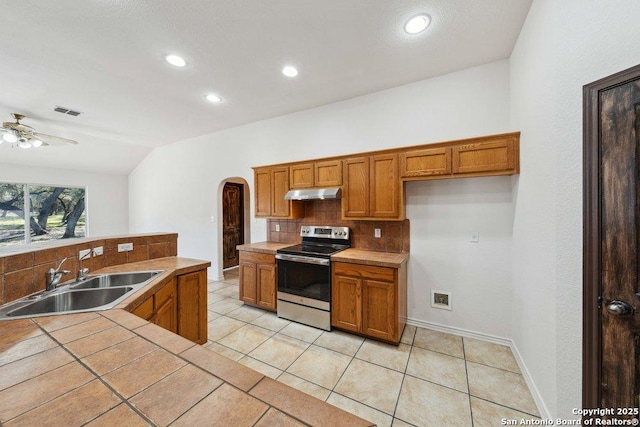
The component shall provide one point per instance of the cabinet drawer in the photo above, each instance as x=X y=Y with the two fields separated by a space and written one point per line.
x=257 y=257
x=419 y=163
x=372 y=272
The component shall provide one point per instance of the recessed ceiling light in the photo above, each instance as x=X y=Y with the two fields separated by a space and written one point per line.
x=175 y=60
x=213 y=98
x=290 y=71
x=417 y=24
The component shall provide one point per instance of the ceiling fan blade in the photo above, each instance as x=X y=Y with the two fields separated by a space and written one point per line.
x=43 y=136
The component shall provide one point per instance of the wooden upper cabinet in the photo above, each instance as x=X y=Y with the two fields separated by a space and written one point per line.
x=425 y=163
x=487 y=157
x=372 y=187
x=385 y=187
x=328 y=174
x=355 y=197
x=301 y=176
x=263 y=192
x=272 y=184
x=279 y=187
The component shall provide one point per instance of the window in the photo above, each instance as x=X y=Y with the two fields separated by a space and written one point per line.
x=51 y=213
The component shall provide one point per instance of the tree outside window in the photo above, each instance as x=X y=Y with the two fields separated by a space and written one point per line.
x=51 y=213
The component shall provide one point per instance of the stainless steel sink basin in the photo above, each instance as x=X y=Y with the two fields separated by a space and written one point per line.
x=116 y=279
x=72 y=301
x=94 y=293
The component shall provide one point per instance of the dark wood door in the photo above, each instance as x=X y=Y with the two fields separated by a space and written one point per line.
x=232 y=223
x=612 y=230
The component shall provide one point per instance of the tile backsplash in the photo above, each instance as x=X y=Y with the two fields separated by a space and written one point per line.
x=394 y=234
x=24 y=273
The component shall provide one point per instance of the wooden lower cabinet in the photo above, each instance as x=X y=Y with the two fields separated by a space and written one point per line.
x=258 y=279
x=369 y=300
x=161 y=308
x=192 y=306
x=179 y=306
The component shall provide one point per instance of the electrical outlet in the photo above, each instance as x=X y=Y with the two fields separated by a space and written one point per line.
x=125 y=247
x=84 y=254
x=475 y=237
x=98 y=251
x=376 y=233
x=278 y=228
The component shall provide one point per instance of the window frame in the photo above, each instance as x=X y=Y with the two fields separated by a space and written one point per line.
x=26 y=188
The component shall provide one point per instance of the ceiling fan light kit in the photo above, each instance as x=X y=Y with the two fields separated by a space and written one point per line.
x=24 y=136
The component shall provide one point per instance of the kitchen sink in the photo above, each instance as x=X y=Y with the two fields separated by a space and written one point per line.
x=116 y=279
x=99 y=292
x=72 y=301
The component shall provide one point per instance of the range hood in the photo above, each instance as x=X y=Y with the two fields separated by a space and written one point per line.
x=314 y=194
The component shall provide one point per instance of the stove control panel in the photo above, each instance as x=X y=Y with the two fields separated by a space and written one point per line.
x=326 y=232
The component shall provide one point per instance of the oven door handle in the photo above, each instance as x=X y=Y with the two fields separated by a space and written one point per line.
x=304 y=259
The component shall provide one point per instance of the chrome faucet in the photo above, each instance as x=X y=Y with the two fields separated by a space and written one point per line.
x=54 y=276
x=82 y=272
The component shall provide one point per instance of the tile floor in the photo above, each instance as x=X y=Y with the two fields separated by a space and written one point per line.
x=430 y=379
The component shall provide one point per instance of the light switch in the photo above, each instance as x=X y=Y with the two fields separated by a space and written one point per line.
x=475 y=237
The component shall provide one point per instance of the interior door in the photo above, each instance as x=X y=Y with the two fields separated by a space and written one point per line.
x=232 y=223
x=611 y=366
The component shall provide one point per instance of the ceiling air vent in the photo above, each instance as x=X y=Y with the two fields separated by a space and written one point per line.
x=66 y=111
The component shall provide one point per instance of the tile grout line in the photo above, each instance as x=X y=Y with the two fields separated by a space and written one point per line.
x=96 y=376
x=466 y=373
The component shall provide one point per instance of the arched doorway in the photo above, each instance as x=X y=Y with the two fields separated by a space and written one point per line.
x=234 y=225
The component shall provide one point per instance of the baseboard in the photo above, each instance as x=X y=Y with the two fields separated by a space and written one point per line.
x=537 y=398
x=459 y=331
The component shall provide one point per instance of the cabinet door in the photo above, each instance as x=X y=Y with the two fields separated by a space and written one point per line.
x=355 y=200
x=379 y=315
x=279 y=188
x=266 y=274
x=425 y=163
x=166 y=308
x=346 y=299
x=491 y=156
x=145 y=310
x=192 y=306
x=328 y=174
x=301 y=176
x=385 y=186
x=248 y=282
x=262 y=178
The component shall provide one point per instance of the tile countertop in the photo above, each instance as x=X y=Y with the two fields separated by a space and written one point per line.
x=380 y=259
x=351 y=255
x=114 y=368
x=263 y=247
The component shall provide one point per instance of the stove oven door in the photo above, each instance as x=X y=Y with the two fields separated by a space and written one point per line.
x=304 y=276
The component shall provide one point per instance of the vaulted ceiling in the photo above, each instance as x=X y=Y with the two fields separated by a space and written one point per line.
x=105 y=58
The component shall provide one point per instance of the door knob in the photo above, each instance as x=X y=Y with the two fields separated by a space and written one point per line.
x=619 y=308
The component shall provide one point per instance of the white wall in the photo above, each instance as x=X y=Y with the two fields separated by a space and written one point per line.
x=106 y=197
x=443 y=215
x=563 y=46
x=175 y=188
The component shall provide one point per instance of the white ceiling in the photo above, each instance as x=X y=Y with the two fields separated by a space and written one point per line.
x=105 y=59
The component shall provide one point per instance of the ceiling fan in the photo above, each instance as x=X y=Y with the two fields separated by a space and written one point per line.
x=24 y=136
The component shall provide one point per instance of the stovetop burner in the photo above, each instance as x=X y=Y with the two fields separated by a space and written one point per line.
x=320 y=241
